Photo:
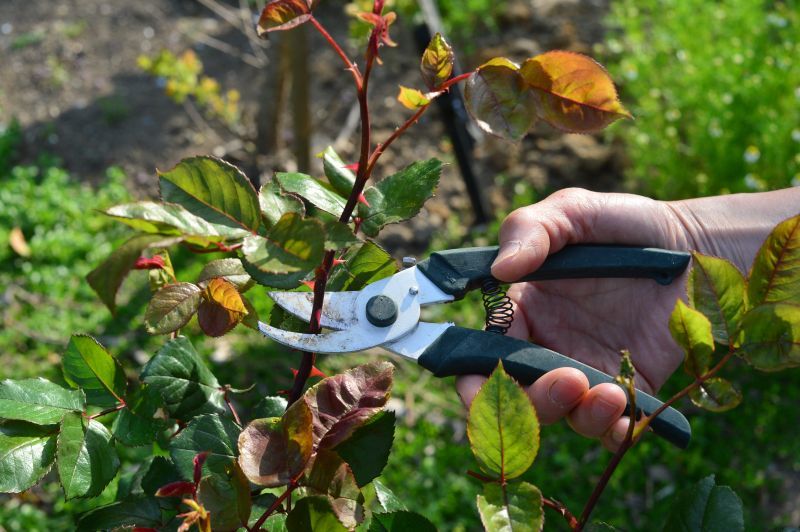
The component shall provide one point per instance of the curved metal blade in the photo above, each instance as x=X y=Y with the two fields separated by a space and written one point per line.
x=338 y=310
x=345 y=341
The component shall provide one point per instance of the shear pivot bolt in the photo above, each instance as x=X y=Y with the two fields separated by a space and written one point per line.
x=413 y=290
x=381 y=311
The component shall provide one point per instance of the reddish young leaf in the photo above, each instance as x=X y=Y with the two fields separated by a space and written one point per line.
x=437 y=62
x=273 y=451
x=380 y=31
x=353 y=167
x=499 y=100
x=574 y=93
x=146 y=263
x=176 y=489
x=315 y=372
x=198 y=461
x=281 y=15
x=342 y=403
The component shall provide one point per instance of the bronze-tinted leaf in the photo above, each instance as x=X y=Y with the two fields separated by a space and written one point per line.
x=775 y=275
x=574 y=93
x=283 y=15
x=171 y=308
x=499 y=99
x=342 y=403
x=274 y=450
x=771 y=337
x=719 y=291
x=222 y=307
x=437 y=62
x=331 y=476
x=692 y=331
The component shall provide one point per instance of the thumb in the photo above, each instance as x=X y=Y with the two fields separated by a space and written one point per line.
x=529 y=234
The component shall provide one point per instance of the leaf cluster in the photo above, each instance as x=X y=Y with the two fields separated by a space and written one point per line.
x=756 y=319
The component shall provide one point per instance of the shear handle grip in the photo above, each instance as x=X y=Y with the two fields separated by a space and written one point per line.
x=461 y=351
x=457 y=271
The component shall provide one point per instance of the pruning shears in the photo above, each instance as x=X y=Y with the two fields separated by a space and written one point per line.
x=387 y=314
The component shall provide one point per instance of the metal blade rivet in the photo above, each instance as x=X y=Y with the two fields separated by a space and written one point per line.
x=414 y=290
x=381 y=311
x=409 y=262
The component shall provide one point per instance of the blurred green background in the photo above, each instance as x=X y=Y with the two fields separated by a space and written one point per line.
x=715 y=89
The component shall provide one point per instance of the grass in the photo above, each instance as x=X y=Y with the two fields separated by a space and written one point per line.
x=715 y=89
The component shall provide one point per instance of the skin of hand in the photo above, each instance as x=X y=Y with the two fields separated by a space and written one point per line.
x=591 y=320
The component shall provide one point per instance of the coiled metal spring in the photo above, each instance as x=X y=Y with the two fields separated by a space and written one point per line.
x=498 y=307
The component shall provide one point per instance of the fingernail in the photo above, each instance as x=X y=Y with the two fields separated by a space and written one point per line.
x=563 y=394
x=602 y=410
x=507 y=251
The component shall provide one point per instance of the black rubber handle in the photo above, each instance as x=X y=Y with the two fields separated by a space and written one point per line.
x=461 y=351
x=457 y=271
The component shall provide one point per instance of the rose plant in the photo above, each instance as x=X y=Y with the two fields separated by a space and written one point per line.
x=312 y=459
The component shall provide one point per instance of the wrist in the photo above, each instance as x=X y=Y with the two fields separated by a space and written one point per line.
x=733 y=226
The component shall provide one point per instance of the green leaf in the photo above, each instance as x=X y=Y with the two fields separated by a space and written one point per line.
x=107 y=278
x=331 y=476
x=160 y=472
x=771 y=337
x=229 y=269
x=386 y=498
x=136 y=424
x=38 y=401
x=170 y=219
x=171 y=308
x=226 y=499
x=160 y=277
x=186 y=385
x=437 y=62
x=87 y=459
x=313 y=513
x=340 y=178
x=716 y=394
x=775 y=275
x=706 y=507
x=312 y=190
x=573 y=92
x=502 y=427
x=367 y=450
x=292 y=248
x=274 y=450
x=399 y=196
x=211 y=433
x=270 y=406
x=274 y=203
x=87 y=365
x=513 y=507
x=400 y=521
x=692 y=331
x=499 y=100
x=342 y=403
x=26 y=454
x=339 y=236
x=412 y=98
x=719 y=291
x=144 y=512
x=363 y=265
x=214 y=190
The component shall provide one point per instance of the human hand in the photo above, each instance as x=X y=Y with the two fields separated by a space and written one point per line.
x=590 y=320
